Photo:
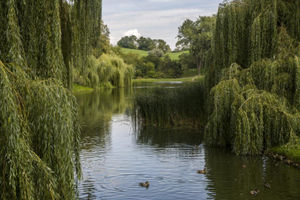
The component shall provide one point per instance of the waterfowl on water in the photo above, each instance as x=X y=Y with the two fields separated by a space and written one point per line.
x=254 y=192
x=201 y=171
x=145 y=184
x=289 y=162
x=267 y=185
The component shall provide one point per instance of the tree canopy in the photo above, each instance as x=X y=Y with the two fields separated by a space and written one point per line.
x=143 y=43
x=196 y=36
x=41 y=42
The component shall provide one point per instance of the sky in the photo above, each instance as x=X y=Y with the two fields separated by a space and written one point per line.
x=158 y=19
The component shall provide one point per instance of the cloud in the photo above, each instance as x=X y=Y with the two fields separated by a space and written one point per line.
x=158 y=19
x=113 y=40
x=132 y=32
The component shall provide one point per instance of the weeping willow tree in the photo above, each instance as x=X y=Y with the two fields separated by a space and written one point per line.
x=38 y=118
x=106 y=71
x=254 y=107
x=247 y=31
x=40 y=137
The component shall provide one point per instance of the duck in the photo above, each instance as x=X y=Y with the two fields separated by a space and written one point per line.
x=254 y=192
x=145 y=184
x=201 y=171
x=267 y=185
x=289 y=162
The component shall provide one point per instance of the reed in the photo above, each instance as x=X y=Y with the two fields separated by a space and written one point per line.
x=172 y=107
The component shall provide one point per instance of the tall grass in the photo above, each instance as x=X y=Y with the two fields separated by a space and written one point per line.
x=172 y=107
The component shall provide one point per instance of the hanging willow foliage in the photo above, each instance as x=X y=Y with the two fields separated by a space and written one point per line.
x=248 y=120
x=247 y=31
x=105 y=71
x=11 y=48
x=87 y=16
x=257 y=107
x=39 y=138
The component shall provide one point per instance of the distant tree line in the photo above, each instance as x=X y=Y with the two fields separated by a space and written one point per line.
x=156 y=64
x=143 y=43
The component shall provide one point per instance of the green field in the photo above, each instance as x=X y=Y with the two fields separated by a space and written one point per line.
x=173 y=56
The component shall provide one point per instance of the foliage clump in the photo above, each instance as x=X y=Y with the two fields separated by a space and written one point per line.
x=105 y=71
x=248 y=120
x=40 y=43
x=39 y=138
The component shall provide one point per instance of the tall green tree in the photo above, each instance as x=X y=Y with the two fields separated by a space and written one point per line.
x=129 y=42
x=146 y=44
x=162 y=45
x=197 y=37
x=40 y=42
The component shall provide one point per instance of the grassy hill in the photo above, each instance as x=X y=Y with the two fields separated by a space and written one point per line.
x=173 y=56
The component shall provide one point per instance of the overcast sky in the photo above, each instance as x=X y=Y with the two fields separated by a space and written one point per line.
x=158 y=19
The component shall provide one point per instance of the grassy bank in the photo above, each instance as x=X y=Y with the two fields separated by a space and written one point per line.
x=153 y=80
x=142 y=53
x=135 y=51
x=81 y=89
x=291 y=151
x=175 y=55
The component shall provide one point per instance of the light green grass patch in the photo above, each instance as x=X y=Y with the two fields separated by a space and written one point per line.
x=81 y=89
x=175 y=55
x=141 y=53
x=291 y=150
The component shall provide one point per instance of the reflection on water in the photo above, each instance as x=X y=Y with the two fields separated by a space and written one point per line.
x=116 y=156
x=229 y=180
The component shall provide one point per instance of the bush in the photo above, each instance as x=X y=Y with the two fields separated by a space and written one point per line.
x=105 y=71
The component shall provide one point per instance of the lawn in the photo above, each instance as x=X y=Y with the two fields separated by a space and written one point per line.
x=134 y=51
x=291 y=150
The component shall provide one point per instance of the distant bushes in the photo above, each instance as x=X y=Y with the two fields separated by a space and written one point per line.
x=105 y=71
x=155 y=65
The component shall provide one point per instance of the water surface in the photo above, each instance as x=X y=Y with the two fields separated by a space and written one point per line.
x=116 y=156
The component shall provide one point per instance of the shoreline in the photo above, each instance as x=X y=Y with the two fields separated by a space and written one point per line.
x=153 y=80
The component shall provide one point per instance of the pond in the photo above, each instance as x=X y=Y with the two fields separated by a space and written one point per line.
x=116 y=156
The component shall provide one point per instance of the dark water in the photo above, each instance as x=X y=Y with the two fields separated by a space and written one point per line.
x=116 y=157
